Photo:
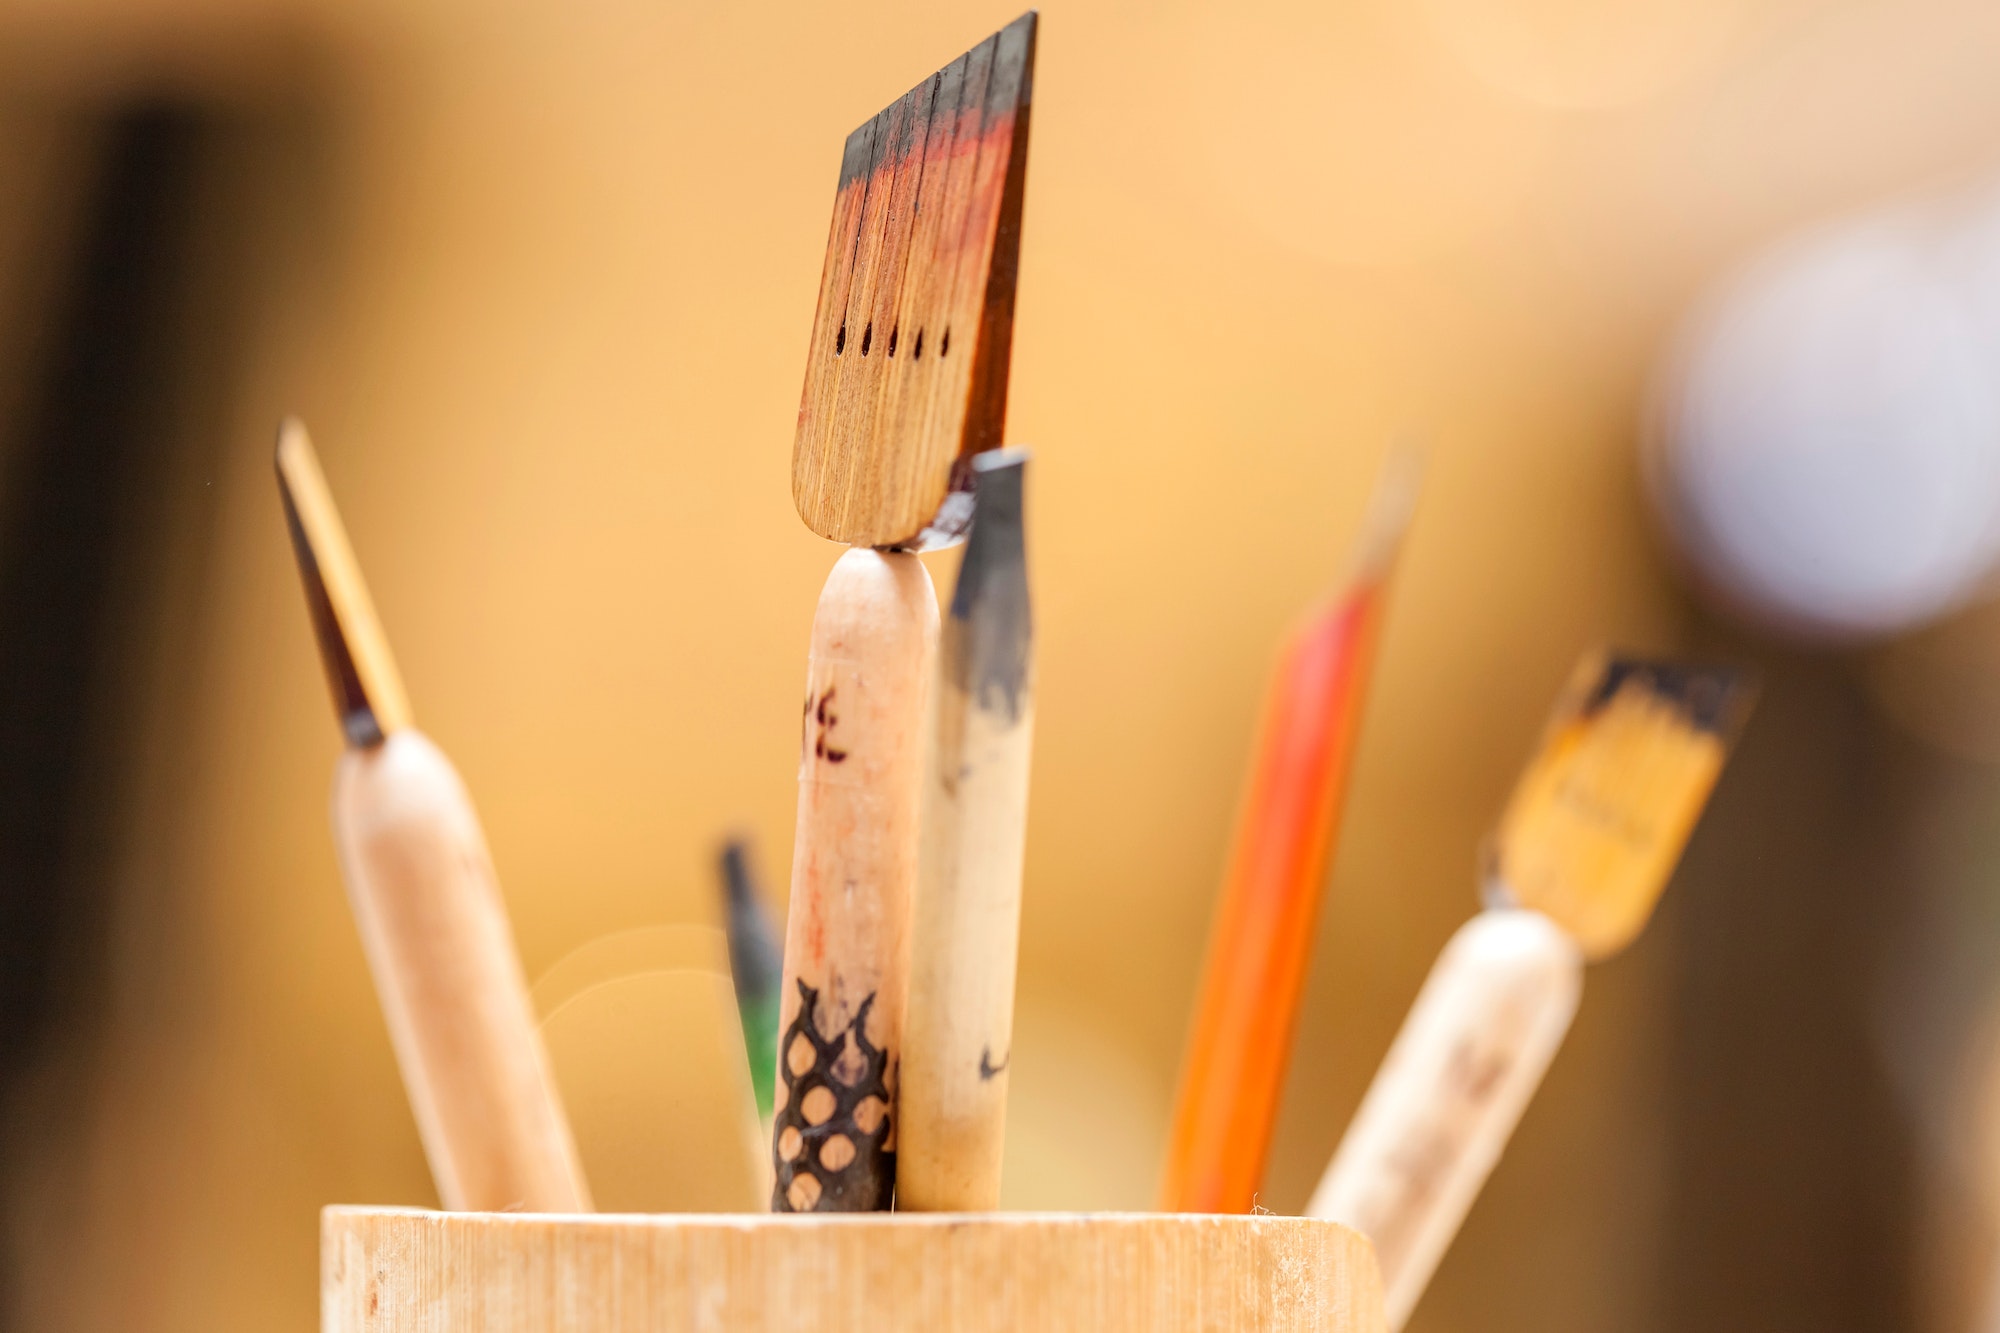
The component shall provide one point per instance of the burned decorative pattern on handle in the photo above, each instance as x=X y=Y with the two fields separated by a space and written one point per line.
x=907 y=373
x=830 y=1138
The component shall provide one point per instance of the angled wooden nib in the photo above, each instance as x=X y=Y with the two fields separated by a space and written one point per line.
x=907 y=375
x=367 y=689
x=1599 y=818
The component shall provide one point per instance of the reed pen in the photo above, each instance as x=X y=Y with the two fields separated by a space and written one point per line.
x=426 y=900
x=906 y=384
x=965 y=941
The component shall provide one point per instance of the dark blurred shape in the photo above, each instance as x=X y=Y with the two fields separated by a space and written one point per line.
x=80 y=499
x=756 y=965
x=1790 y=1192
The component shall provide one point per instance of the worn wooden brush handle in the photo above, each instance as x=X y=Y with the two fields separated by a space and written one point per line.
x=437 y=938
x=854 y=865
x=1474 y=1048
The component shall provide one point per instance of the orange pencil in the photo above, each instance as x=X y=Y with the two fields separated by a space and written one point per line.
x=1262 y=939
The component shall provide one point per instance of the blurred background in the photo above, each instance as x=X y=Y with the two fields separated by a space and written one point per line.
x=540 y=279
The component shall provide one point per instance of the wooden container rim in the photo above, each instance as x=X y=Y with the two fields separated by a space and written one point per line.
x=419 y=1270
x=753 y=1221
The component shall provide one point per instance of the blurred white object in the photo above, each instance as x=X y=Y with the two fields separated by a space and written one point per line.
x=1827 y=449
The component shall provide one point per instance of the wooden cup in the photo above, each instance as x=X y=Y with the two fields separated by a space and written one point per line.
x=388 y=1270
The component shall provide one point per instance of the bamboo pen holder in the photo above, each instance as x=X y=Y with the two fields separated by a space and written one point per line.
x=397 y=1270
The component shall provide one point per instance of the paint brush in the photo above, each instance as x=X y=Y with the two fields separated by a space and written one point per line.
x=754 y=966
x=906 y=382
x=1587 y=844
x=966 y=930
x=426 y=900
x=1247 y=1008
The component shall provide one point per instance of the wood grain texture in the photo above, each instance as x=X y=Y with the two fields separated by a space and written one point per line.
x=966 y=931
x=911 y=343
x=1600 y=816
x=1489 y=1019
x=854 y=867
x=438 y=942
x=405 y=1271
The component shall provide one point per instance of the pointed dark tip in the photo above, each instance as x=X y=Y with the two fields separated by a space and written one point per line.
x=368 y=697
x=990 y=640
x=734 y=860
x=754 y=958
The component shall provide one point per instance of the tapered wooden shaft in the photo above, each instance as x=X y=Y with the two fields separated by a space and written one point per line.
x=967 y=919
x=424 y=897
x=1471 y=1054
x=437 y=939
x=854 y=865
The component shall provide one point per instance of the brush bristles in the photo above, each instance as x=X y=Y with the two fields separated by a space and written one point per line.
x=1599 y=818
x=908 y=367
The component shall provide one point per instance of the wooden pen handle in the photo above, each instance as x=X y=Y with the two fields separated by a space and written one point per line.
x=854 y=865
x=436 y=934
x=1474 y=1048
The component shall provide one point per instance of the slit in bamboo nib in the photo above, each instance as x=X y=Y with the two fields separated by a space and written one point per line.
x=1598 y=820
x=924 y=249
x=367 y=689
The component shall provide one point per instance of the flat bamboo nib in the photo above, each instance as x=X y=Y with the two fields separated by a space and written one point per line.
x=1599 y=818
x=907 y=374
x=367 y=690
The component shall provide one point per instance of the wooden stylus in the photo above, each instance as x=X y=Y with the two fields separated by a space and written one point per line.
x=424 y=896
x=959 y=1037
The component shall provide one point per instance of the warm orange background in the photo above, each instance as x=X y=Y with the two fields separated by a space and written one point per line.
x=543 y=295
